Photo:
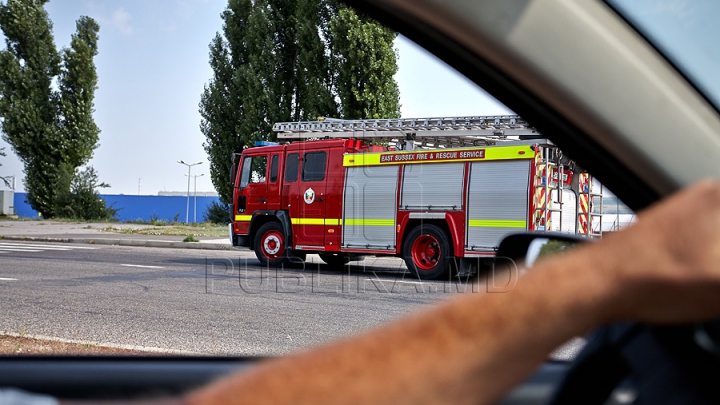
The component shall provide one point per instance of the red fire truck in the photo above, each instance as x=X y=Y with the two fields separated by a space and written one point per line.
x=442 y=191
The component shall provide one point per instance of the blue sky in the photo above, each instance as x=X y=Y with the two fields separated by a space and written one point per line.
x=152 y=66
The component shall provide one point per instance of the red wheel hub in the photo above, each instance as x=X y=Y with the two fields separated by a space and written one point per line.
x=426 y=252
x=272 y=244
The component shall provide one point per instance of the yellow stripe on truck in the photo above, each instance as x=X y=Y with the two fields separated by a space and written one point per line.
x=369 y=222
x=296 y=221
x=314 y=221
x=496 y=223
x=439 y=156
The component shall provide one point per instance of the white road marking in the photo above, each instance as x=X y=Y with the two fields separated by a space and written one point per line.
x=142 y=267
x=35 y=248
x=8 y=246
x=46 y=246
x=8 y=279
x=408 y=282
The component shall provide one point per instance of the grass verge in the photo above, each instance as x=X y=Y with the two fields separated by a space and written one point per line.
x=204 y=229
x=22 y=346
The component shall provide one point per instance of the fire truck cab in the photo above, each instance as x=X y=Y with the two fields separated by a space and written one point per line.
x=343 y=198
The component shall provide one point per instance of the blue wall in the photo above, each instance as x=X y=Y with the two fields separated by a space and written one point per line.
x=22 y=208
x=137 y=207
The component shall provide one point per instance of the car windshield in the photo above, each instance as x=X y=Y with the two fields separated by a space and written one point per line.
x=304 y=242
x=686 y=32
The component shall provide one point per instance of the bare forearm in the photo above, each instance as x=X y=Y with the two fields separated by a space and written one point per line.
x=471 y=350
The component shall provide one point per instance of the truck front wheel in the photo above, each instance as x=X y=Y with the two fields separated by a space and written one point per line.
x=270 y=241
x=427 y=252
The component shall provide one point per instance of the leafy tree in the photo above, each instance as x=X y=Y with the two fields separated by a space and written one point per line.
x=77 y=81
x=48 y=128
x=291 y=60
x=364 y=60
x=217 y=213
x=78 y=197
x=554 y=247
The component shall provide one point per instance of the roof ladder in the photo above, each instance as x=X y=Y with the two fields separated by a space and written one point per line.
x=409 y=133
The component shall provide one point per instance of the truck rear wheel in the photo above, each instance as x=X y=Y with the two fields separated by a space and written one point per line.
x=427 y=252
x=270 y=241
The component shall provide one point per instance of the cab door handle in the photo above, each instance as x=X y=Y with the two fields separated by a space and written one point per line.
x=262 y=200
x=319 y=199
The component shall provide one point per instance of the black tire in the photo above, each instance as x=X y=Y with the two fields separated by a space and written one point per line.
x=270 y=247
x=427 y=252
x=334 y=259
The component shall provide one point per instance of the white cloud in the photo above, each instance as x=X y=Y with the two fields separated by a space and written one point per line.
x=121 y=21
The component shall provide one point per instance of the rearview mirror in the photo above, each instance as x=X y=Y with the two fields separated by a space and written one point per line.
x=530 y=247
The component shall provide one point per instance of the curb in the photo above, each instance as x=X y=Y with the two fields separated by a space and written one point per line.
x=124 y=242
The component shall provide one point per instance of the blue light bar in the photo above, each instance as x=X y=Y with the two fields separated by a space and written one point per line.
x=265 y=143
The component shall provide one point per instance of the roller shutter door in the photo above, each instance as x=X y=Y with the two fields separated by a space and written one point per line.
x=370 y=204
x=437 y=186
x=569 y=212
x=498 y=195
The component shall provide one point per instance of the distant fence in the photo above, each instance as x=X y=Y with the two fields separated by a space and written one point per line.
x=137 y=207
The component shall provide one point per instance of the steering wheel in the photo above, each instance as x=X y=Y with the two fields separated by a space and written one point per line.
x=631 y=363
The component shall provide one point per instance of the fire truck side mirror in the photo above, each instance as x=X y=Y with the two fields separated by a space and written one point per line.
x=530 y=247
x=233 y=169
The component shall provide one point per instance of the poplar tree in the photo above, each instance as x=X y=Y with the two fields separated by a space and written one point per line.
x=291 y=60
x=50 y=128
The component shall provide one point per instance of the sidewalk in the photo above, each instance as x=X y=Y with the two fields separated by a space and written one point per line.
x=92 y=233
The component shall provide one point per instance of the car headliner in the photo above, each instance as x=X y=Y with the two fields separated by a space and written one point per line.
x=591 y=83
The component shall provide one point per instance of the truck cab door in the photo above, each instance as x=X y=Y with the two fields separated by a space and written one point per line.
x=309 y=225
x=273 y=185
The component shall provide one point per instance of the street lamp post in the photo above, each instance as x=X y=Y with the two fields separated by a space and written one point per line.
x=187 y=205
x=195 y=176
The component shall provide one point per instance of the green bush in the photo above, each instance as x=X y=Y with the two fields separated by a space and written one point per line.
x=217 y=213
x=77 y=196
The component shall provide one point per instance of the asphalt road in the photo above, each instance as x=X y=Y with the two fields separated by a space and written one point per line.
x=210 y=302
x=203 y=301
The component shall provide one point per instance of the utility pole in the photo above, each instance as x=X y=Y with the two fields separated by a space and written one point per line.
x=195 y=176
x=187 y=205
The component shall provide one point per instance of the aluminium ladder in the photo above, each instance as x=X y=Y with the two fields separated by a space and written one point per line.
x=550 y=198
x=409 y=133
